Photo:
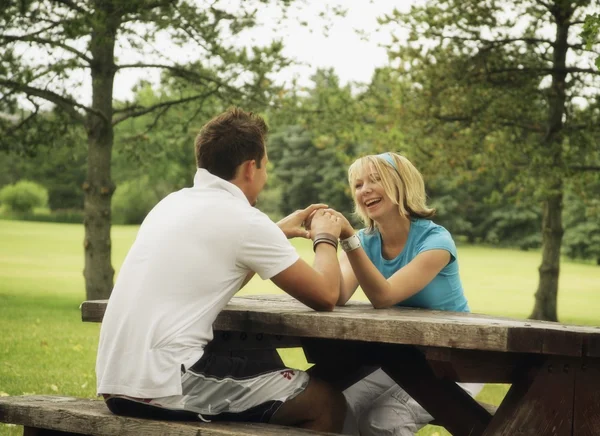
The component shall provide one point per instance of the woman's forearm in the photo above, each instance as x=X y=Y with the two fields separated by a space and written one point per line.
x=373 y=283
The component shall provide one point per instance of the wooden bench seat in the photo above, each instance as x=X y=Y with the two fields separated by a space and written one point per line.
x=53 y=415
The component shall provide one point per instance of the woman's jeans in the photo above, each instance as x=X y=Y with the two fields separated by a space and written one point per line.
x=378 y=406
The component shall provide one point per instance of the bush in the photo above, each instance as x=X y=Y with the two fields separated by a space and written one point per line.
x=23 y=196
x=134 y=199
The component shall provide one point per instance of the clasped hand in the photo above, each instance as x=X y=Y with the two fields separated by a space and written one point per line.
x=315 y=219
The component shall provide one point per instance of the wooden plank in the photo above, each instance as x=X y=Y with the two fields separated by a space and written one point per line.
x=341 y=363
x=232 y=340
x=93 y=310
x=591 y=346
x=586 y=416
x=353 y=323
x=69 y=414
x=539 y=403
x=449 y=405
x=472 y=366
x=30 y=431
x=358 y=321
x=563 y=343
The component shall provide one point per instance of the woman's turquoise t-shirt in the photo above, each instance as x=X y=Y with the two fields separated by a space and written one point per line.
x=445 y=291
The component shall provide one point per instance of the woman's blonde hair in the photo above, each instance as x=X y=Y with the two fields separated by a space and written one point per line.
x=401 y=181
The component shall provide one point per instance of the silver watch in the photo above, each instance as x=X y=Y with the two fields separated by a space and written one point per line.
x=351 y=243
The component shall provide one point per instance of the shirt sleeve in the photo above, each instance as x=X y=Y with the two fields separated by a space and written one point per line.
x=439 y=239
x=264 y=248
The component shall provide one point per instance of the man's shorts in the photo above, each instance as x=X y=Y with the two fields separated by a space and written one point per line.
x=220 y=388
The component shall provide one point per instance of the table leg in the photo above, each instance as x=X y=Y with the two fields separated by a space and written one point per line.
x=450 y=405
x=586 y=416
x=539 y=402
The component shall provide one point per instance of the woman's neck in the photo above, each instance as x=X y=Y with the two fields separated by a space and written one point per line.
x=394 y=233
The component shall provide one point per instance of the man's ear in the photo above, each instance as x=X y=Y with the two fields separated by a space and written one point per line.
x=249 y=169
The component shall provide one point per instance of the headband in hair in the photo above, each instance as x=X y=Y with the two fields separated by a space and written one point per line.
x=389 y=159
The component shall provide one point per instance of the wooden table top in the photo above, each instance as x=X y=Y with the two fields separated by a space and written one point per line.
x=282 y=315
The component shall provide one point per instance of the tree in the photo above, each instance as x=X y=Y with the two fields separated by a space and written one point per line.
x=308 y=174
x=512 y=91
x=582 y=218
x=47 y=44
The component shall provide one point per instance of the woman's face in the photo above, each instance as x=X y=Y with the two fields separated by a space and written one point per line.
x=370 y=195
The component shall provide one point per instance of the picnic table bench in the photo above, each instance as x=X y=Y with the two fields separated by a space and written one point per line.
x=553 y=369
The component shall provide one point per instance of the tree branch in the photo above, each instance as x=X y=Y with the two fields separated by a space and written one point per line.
x=495 y=42
x=546 y=70
x=72 y=5
x=585 y=168
x=544 y=4
x=181 y=72
x=64 y=103
x=45 y=29
x=26 y=119
x=29 y=38
x=192 y=76
x=165 y=104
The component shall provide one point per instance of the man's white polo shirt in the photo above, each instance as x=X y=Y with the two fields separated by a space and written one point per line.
x=191 y=255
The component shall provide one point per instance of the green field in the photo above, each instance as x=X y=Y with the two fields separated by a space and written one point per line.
x=46 y=349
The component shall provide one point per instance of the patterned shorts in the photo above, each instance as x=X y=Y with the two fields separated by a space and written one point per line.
x=220 y=388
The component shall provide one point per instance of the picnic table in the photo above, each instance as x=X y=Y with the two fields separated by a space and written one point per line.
x=553 y=369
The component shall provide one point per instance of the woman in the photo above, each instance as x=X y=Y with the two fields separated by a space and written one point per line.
x=400 y=258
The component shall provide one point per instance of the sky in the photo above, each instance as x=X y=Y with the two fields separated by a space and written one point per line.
x=353 y=58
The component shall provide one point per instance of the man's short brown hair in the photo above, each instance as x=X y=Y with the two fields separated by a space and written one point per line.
x=229 y=139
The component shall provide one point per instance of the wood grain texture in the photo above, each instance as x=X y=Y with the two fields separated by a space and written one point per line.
x=30 y=431
x=586 y=414
x=449 y=405
x=472 y=366
x=91 y=417
x=539 y=403
x=284 y=316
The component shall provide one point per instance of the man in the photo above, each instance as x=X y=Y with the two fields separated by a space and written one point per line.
x=193 y=252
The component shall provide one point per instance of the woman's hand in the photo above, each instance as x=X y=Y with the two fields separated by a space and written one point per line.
x=292 y=225
x=324 y=221
x=347 y=230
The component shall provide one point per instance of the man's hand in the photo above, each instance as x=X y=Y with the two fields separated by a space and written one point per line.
x=292 y=225
x=325 y=221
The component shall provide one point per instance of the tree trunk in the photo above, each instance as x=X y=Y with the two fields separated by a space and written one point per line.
x=552 y=233
x=98 y=188
x=552 y=230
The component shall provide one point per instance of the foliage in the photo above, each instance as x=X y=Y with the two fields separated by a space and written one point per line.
x=58 y=166
x=23 y=196
x=591 y=30
x=514 y=226
x=308 y=174
x=135 y=198
x=48 y=46
x=317 y=134
x=485 y=89
x=582 y=219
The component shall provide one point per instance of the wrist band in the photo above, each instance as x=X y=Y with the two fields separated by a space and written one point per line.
x=326 y=241
x=351 y=243
x=328 y=238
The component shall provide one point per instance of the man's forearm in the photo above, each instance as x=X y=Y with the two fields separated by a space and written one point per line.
x=326 y=263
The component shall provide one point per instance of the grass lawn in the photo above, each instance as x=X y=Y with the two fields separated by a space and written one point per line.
x=46 y=349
